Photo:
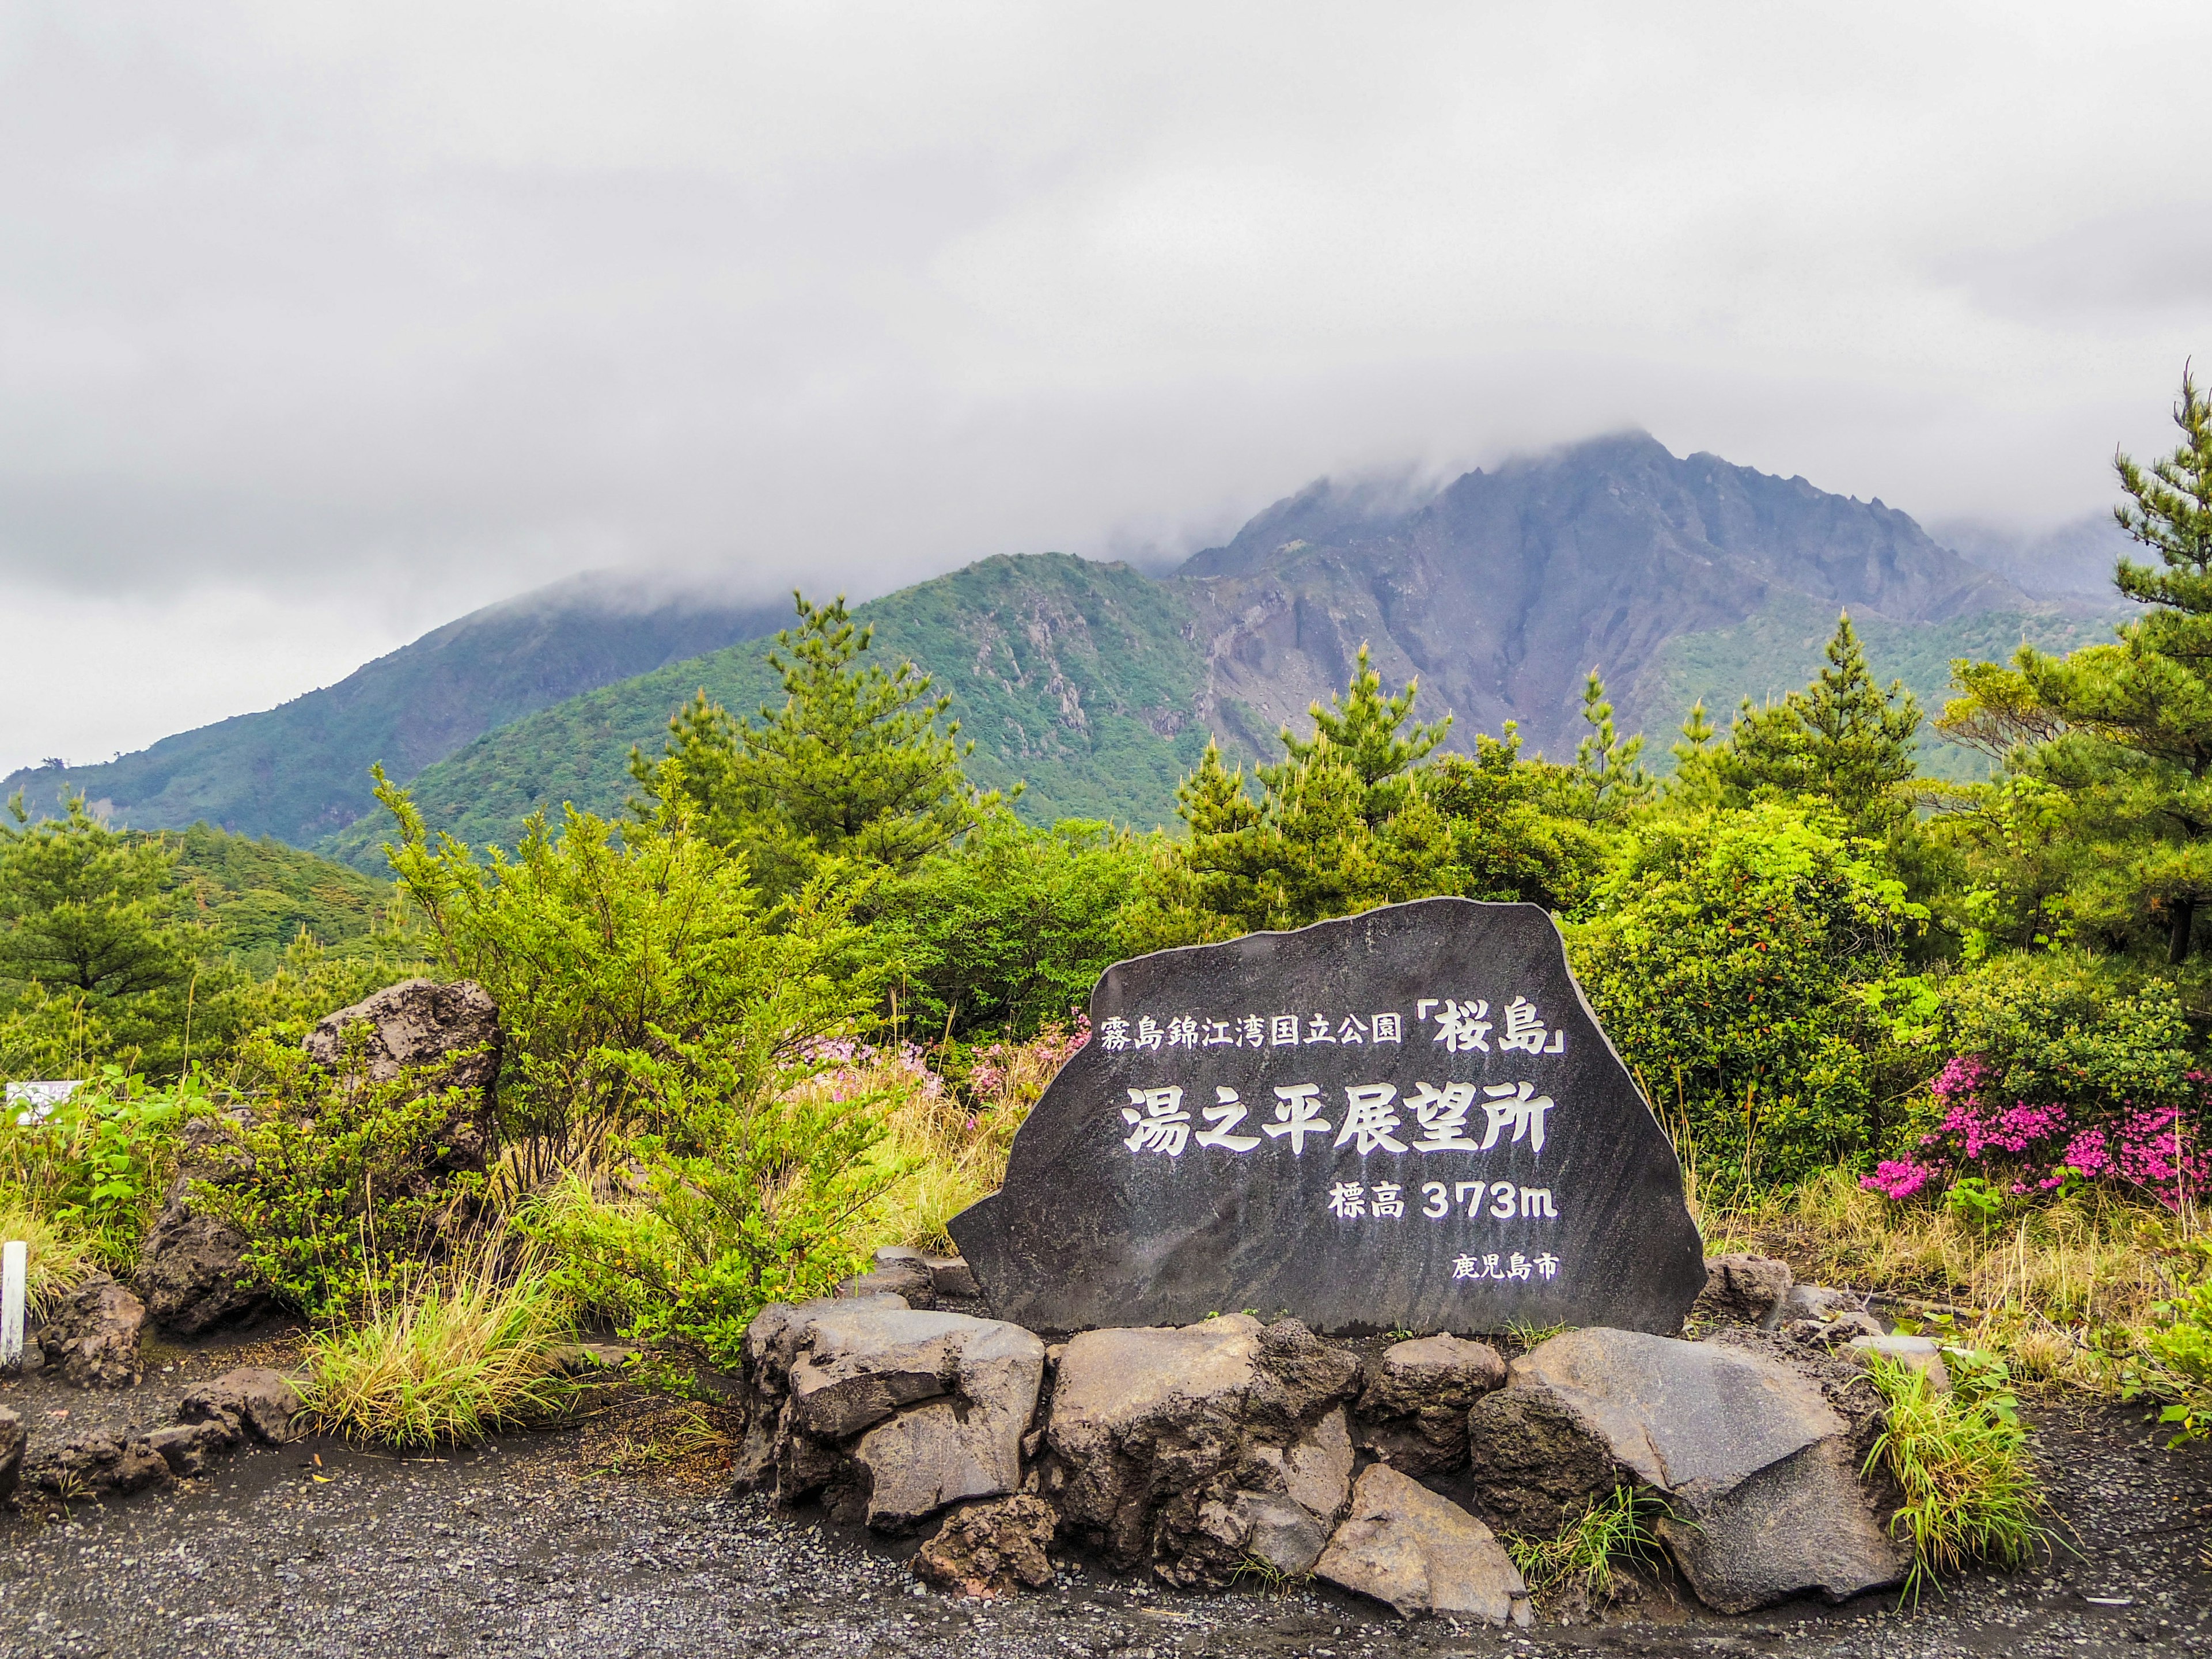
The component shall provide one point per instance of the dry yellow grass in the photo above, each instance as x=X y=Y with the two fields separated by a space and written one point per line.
x=955 y=1142
x=2061 y=1289
x=470 y=1346
x=58 y=1259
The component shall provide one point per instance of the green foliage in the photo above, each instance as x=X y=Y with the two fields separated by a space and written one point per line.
x=1971 y=1490
x=749 y=1195
x=1077 y=679
x=1582 y=1562
x=1726 y=955
x=606 y=959
x=448 y=1357
x=2125 y=729
x=1342 y=823
x=84 y=907
x=1843 y=738
x=1012 y=927
x=256 y=897
x=1518 y=829
x=2175 y=1366
x=853 y=766
x=340 y=1183
x=1606 y=761
x=95 y=1164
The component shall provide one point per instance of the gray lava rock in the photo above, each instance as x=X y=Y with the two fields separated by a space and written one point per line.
x=1748 y=1288
x=1917 y=1352
x=1413 y=1408
x=191 y=1268
x=94 y=1335
x=1834 y=1332
x=249 y=1401
x=12 y=1438
x=416 y=1024
x=949 y=1273
x=1818 y=1301
x=906 y=1277
x=1758 y=1466
x=898 y=1412
x=95 y=1465
x=1194 y=1447
x=991 y=1549
x=1422 y=1553
x=186 y=1447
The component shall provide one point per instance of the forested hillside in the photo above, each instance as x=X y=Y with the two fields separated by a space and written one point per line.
x=301 y=771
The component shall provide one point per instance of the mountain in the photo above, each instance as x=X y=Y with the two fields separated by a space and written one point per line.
x=1081 y=679
x=2074 y=561
x=1099 y=687
x=301 y=771
x=1677 y=577
x=1505 y=588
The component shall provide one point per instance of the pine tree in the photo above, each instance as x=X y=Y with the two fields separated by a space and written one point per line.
x=1844 y=737
x=84 y=907
x=1607 y=763
x=854 y=766
x=1342 y=822
x=2126 y=728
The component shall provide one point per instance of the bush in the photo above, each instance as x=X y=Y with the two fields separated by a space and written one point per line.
x=450 y=1354
x=1013 y=927
x=754 y=1195
x=1730 y=957
x=2061 y=1071
x=96 y=1163
x=632 y=979
x=337 y=1194
x=1971 y=1490
x=2177 y=1367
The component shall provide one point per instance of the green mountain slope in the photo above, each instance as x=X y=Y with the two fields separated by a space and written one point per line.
x=1080 y=679
x=300 y=770
x=257 y=894
x=1779 y=650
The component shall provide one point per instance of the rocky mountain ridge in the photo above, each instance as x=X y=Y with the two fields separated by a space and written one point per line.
x=1676 y=576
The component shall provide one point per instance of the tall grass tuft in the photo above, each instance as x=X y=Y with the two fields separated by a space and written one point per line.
x=463 y=1349
x=1970 y=1490
x=58 y=1259
x=1580 y=1561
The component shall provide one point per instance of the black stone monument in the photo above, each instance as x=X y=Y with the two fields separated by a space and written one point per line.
x=1405 y=1119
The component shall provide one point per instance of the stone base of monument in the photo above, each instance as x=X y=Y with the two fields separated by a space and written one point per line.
x=1227 y=1448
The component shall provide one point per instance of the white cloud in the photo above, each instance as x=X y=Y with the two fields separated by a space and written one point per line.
x=377 y=312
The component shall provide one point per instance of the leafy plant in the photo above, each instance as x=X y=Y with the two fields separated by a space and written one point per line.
x=1962 y=1458
x=448 y=1354
x=753 y=1195
x=344 y=1183
x=96 y=1163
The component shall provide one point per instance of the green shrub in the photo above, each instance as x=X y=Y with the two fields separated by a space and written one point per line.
x=2175 y=1366
x=1730 y=957
x=448 y=1355
x=1962 y=1458
x=97 y=1163
x=335 y=1200
x=630 y=975
x=1012 y=927
x=699 y=1241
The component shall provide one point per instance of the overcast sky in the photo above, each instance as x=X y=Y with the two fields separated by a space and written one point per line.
x=320 y=326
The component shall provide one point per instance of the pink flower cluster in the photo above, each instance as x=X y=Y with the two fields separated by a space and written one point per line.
x=2036 y=1144
x=995 y=1069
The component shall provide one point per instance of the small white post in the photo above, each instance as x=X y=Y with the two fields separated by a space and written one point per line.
x=15 y=1266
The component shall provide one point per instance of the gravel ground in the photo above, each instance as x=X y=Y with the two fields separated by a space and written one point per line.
x=581 y=1542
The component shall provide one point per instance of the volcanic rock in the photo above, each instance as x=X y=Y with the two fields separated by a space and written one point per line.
x=1404 y=1545
x=93 y=1337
